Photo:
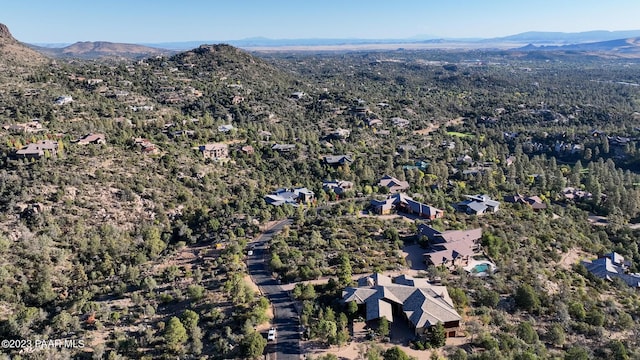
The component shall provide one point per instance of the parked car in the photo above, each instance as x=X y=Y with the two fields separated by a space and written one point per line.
x=271 y=336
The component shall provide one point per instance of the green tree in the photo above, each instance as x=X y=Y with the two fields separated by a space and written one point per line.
x=253 y=345
x=190 y=319
x=576 y=353
x=352 y=308
x=527 y=333
x=175 y=335
x=395 y=353
x=526 y=298
x=438 y=336
x=383 y=327
x=344 y=270
x=556 y=335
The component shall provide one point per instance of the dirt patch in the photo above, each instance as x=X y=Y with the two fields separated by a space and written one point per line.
x=572 y=257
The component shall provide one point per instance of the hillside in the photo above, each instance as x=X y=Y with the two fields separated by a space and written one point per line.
x=102 y=50
x=15 y=53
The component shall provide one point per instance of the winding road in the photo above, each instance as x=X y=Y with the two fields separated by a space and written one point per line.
x=287 y=344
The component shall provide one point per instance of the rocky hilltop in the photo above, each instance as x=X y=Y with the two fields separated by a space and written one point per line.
x=13 y=52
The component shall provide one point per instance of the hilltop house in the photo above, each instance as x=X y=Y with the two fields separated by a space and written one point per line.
x=413 y=300
x=290 y=196
x=394 y=185
x=478 y=205
x=611 y=266
x=37 y=150
x=215 y=151
x=338 y=160
x=450 y=248
x=403 y=203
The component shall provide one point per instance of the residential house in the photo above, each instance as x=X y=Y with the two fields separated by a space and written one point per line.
x=374 y=122
x=394 y=185
x=611 y=266
x=478 y=205
x=215 y=151
x=297 y=94
x=338 y=160
x=571 y=193
x=37 y=150
x=406 y=148
x=247 y=149
x=225 y=128
x=400 y=122
x=419 y=303
x=282 y=148
x=419 y=165
x=534 y=201
x=339 y=187
x=29 y=127
x=339 y=134
x=64 y=99
x=450 y=248
x=147 y=146
x=93 y=138
x=403 y=203
x=619 y=141
x=293 y=197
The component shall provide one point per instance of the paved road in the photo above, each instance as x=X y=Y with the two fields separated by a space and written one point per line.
x=287 y=345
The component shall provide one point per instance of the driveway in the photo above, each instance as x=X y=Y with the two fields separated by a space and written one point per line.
x=287 y=344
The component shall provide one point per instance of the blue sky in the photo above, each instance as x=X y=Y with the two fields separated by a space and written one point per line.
x=51 y=21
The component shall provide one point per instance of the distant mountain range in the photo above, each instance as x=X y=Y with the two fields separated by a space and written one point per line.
x=101 y=49
x=614 y=43
x=629 y=47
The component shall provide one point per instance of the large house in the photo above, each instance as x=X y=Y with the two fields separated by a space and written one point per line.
x=450 y=248
x=38 y=150
x=290 y=196
x=215 y=151
x=478 y=205
x=339 y=187
x=338 y=160
x=534 y=201
x=403 y=203
x=416 y=301
x=92 y=138
x=283 y=147
x=394 y=185
x=611 y=266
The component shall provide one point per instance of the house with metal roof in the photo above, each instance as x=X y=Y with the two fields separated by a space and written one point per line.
x=478 y=205
x=404 y=298
x=611 y=266
x=293 y=197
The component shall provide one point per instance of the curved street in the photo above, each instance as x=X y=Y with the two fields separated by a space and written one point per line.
x=287 y=344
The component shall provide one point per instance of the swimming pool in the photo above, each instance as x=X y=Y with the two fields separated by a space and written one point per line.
x=480 y=268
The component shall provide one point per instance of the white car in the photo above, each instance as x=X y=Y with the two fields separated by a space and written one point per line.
x=250 y=252
x=271 y=336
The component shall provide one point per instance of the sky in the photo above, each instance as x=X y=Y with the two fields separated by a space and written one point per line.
x=155 y=21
